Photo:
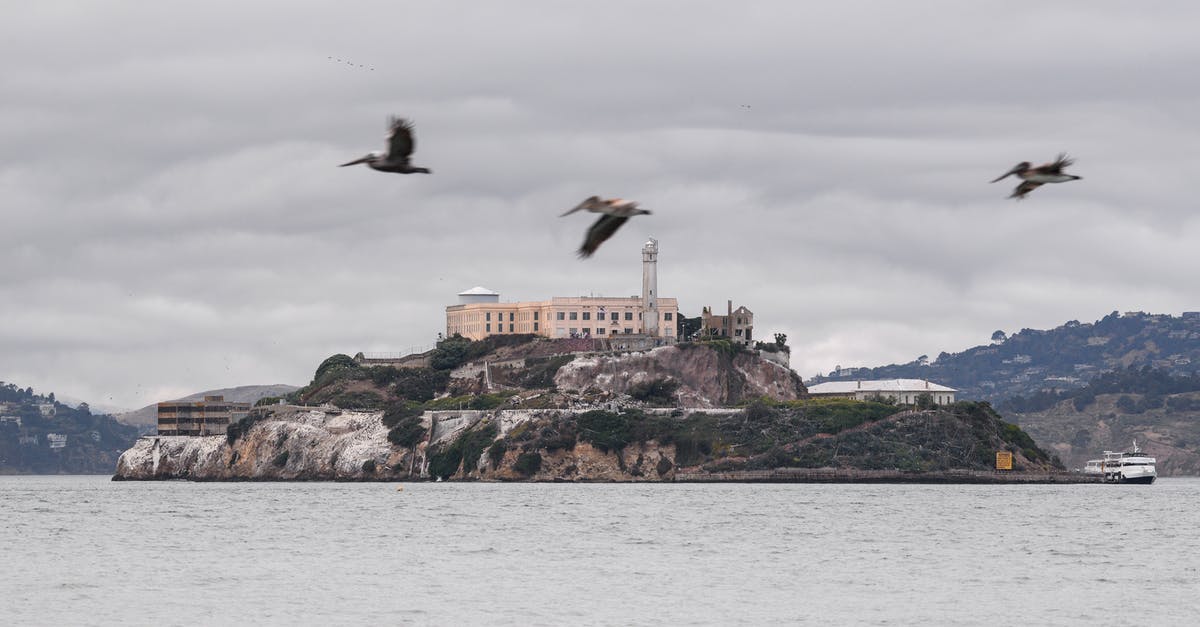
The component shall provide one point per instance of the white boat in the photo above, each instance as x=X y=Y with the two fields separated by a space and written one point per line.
x=1130 y=466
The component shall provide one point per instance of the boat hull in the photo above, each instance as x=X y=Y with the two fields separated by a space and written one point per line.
x=1145 y=479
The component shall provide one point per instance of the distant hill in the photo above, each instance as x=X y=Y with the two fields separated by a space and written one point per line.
x=40 y=435
x=1062 y=358
x=1159 y=410
x=148 y=416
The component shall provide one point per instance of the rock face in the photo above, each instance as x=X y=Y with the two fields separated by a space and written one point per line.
x=707 y=377
x=285 y=443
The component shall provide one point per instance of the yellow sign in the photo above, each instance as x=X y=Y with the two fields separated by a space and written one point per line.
x=1003 y=460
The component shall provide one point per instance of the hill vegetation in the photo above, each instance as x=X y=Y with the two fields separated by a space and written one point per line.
x=1063 y=358
x=39 y=435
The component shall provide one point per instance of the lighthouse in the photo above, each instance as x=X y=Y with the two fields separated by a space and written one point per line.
x=650 y=287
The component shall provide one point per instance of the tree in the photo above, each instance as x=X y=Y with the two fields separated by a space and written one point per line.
x=687 y=328
x=999 y=336
x=781 y=339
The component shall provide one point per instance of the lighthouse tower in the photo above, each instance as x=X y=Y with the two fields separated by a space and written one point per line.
x=650 y=287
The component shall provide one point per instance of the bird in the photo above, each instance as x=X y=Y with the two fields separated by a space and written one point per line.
x=615 y=212
x=1033 y=178
x=400 y=148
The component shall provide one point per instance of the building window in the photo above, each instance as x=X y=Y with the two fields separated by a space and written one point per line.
x=615 y=315
x=574 y=331
x=587 y=331
x=489 y=327
x=510 y=316
x=487 y=316
x=599 y=330
x=510 y=327
x=667 y=316
x=535 y=327
x=738 y=333
x=574 y=315
x=628 y=331
x=562 y=316
x=628 y=315
x=587 y=315
x=535 y=315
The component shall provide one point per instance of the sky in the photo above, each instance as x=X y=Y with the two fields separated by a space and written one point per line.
x=172 y=219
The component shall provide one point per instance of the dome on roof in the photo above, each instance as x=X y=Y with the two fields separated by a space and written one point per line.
x=478 y=294
x=478 y=290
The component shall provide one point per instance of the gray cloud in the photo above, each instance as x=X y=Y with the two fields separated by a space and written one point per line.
x=172 y=218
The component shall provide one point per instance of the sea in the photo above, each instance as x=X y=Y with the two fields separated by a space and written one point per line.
x=82 y=550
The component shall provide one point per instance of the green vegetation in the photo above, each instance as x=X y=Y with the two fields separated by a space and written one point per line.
x=93 y=441
x=464 y=451
x=1026 y=362
x=528 y=463
x=540 y=371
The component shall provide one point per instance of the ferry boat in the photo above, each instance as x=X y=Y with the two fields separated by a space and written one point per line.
x=1130 y=466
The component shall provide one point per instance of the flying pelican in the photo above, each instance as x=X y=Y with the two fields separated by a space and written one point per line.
x=1033 y=178
x=615 y=213
x=595 y=204
x=400 y=148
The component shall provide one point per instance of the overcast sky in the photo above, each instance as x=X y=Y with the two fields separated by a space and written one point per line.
x=172 y=218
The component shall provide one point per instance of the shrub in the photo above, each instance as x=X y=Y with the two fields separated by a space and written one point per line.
x=465 y=451
x=496 y=452
x=395 y=412
x=528 y=463
x=267 y=400
x=407 y=432
x=364 y=399
x=450 y=353
x=606 y=430
x=420 y=384
x=336 y=362
x=540 y=371
x=660 y=392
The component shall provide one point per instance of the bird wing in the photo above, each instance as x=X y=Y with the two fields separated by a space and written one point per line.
x=400 y=140
x=601 y=230
x=1024 y=188
x=1056 y=166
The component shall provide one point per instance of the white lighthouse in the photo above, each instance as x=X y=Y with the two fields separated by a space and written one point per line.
x=650 y=287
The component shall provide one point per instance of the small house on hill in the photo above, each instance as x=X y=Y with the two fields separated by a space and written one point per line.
x=903 y=391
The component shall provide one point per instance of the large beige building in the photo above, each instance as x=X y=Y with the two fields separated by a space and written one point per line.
x=479 y=312
x=207 y=417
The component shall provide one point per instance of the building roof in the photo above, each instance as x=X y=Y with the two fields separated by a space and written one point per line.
x=479 y=290
x=887 y=385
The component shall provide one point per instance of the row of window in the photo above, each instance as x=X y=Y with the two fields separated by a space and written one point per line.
x=587 y=315
x=511 y=316
x=511 y=327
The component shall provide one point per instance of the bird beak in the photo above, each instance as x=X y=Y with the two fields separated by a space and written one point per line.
x=1010 y=172
x=356 y=161
x=577 y=208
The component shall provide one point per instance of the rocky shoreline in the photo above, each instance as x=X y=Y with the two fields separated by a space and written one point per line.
x=293 y=443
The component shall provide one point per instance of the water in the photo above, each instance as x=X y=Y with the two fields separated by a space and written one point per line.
x=83 y=550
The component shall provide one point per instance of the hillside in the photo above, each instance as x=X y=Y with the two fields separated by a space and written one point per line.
x=39 y=435
x=296 y=443
x=148 y=415
x=1065 y=357
x=536 y=373
x=1157 y=408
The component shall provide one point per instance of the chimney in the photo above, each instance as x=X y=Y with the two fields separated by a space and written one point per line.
x=926 y=384
x=859 y=384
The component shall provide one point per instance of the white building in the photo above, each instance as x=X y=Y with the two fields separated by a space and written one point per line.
x=56 y=440
x=904 y=391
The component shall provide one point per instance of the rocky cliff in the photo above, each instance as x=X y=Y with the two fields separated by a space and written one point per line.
x=705 y=376
x=296 y=443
